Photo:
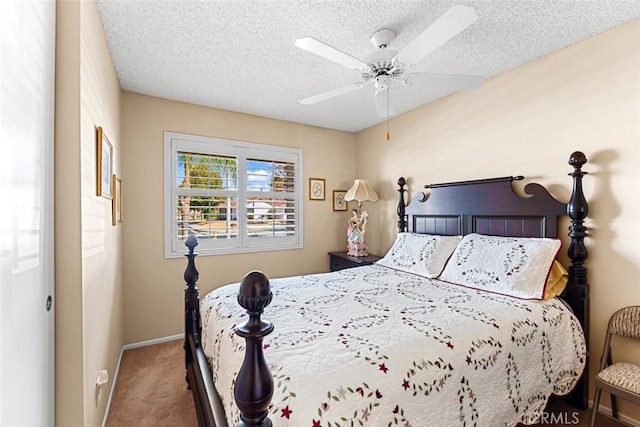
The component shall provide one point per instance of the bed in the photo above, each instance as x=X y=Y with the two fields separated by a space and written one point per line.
x=387 y=345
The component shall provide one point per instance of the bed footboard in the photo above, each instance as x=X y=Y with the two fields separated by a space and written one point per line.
x=254 y=383
x=198 y=376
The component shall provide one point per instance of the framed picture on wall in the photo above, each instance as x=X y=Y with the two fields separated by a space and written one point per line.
x=116 y=201
x=339 y=203
x=316 y=189
x=104 y=177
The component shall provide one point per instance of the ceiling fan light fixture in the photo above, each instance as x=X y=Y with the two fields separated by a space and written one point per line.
x=382 y=38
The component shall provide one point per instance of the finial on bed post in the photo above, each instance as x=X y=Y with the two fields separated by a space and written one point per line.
x=578 y=291
x=191 y=301
x=254 y=383
x=402 y=222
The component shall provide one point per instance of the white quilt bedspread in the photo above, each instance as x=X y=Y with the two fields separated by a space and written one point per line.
x=372 y=346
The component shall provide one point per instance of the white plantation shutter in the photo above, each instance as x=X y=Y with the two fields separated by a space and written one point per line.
x=234 y=196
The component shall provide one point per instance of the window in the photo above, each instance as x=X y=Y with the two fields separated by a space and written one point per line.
x=234 y=196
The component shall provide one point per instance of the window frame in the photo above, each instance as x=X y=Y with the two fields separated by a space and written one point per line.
x=180 y=142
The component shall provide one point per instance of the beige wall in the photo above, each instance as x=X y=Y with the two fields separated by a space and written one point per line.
x=527 y=122
x=68 y=257
x=89 y=318
x=153 y=285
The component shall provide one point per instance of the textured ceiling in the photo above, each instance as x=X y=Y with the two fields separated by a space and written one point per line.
x=239 y=55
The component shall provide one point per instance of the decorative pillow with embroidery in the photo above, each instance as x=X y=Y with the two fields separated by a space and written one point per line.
x=514 y=266
x=421 y=254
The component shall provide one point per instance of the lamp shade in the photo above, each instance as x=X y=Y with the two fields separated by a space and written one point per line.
x=361 y=191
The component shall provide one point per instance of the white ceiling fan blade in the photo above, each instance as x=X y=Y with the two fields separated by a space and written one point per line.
x=330 y=94
x=449 y=81
x=331 y=53
x=446 y=27
x=383 y=103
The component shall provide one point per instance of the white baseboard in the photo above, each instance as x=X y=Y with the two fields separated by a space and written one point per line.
x=129 y=347
x=623 y=417
x=153 y=341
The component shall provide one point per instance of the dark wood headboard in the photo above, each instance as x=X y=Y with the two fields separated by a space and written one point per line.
x=487 y=206
x=492 y=207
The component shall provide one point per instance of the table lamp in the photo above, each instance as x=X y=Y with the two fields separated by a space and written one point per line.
x=362 y=192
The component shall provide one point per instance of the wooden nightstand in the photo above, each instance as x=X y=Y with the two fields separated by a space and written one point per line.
x=340 y=260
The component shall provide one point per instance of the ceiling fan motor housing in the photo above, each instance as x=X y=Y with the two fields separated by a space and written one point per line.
x=381 y=62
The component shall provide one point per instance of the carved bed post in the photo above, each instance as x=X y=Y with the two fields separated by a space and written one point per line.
x=578 y=291
x=191 y=303
x=199 y=379
x=402 y=222
x=254 y=384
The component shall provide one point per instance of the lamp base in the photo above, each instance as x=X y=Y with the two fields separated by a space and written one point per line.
x=357 y=249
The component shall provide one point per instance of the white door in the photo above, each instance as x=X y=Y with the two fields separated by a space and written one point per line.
x=27 y=48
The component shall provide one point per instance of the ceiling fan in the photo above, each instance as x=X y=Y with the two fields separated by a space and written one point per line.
x=385 y=66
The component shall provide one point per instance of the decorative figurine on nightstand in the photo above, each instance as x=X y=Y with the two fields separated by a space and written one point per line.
x=360 y=191
x=356 y=245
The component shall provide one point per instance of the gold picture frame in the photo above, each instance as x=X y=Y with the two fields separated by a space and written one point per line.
x=116 y=201
x=316 y=189
x=104 y=174
x=339 y=203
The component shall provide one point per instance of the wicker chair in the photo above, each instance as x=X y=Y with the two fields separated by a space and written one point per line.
x=618 y=379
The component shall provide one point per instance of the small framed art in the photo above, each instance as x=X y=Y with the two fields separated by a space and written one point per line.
x=105 y=165
x=339 y=203
x=316 y=189
x=116 y=201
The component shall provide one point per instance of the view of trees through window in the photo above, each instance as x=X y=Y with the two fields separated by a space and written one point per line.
x=209 y=191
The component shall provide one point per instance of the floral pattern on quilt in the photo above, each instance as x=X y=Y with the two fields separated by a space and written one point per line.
x=374 y=346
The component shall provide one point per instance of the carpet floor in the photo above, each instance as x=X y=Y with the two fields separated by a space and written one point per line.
x=151 y=391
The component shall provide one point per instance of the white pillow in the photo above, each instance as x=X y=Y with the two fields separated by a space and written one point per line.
x=422 y=254
x=515 y=266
